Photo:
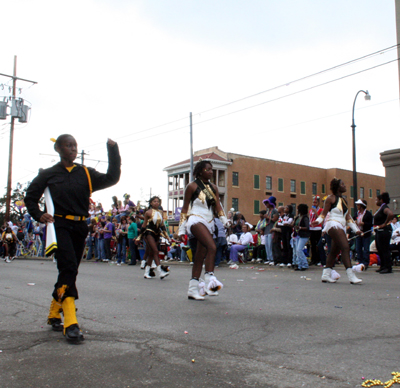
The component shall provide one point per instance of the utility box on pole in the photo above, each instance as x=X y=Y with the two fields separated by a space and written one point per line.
x=24 y=114
x=3 y=110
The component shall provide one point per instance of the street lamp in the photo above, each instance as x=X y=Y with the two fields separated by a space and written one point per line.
x=353 y=126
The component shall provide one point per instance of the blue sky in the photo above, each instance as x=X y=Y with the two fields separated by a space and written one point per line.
x=118 y=68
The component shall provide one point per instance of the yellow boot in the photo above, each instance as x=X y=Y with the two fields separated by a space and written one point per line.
x=54 y=318
x=71 y=329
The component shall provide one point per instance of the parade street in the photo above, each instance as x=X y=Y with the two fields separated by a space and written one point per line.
x=269 y=327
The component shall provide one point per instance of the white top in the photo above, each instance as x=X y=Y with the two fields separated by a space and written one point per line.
x=336 y=214
x=200 y=209
x=246 y=238
x=232 y=239
x=396 y=236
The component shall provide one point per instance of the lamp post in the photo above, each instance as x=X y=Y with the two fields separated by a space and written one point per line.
x=353 y=126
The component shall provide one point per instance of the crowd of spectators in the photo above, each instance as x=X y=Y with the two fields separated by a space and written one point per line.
x=279 y=238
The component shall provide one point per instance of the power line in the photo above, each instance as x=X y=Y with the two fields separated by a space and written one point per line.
x=262 y=92
x=263 y=103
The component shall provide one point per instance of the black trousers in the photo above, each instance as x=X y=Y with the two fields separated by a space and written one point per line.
x=287 y=252
x=107 y=248
x=71 y=237
x=382 y=241
x=315 y=236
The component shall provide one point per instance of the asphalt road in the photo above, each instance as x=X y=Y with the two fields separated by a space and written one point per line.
x=267 y=328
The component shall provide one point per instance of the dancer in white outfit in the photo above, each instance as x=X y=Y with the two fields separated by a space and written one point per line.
x=203 y=198
x=339 y=218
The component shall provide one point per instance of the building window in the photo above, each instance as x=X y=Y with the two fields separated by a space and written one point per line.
x=314 y=188
x=235 y=204
x=361 y=192
x=302 y=187
x=323 y=189
x=268 y=183
x=257 y=182
x=370 y=193
x=351 y=191
x=235 y=179
x=352 y=212
x=256 y=207
x=294 y=208
x=280 y=185
x=221 y=178
x=280 y=204
x=378 y=192
x=292 y=185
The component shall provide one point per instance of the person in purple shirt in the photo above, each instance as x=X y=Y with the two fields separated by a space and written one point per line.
x=107 y=235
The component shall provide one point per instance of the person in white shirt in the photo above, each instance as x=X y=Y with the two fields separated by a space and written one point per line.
x=245 y=239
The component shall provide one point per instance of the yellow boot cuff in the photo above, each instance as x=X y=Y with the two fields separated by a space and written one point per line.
x=55 y=308
x=69 y=311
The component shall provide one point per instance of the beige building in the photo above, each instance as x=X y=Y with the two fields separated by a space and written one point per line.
x=245 y=181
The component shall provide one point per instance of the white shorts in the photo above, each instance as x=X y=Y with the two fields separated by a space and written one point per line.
x=193 y=220
x=335 y=225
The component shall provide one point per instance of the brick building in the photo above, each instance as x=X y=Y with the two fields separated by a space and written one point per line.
x=245 y=181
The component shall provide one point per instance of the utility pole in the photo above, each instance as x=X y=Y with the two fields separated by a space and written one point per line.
x=10 y=152
x=83 y=156
x=10 y=157
x=191 y=149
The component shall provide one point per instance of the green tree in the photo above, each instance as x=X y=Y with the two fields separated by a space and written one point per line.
x=17 y=205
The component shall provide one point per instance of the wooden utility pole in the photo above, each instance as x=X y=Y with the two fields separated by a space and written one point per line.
x=10 y=157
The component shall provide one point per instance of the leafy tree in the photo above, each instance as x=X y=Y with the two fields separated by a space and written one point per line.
x=17 y=205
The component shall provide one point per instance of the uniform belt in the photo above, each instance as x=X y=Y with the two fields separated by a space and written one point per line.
x=72 y=218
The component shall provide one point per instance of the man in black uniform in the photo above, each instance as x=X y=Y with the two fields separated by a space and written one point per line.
x=70 y=186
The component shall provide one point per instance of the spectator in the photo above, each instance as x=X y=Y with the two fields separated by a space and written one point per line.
x=245 y=239
x=364 y=222
x=277 y=239
x=107 y=236
x=259 y=250
x=287 y=227
x=132 y=234
x=301 y=227
x=122 y=241
x=383 y=232
x=91 y=241
x=315 y=231
x=9 y=240
x=238 y=222
x=220 y=240
x=271 y=216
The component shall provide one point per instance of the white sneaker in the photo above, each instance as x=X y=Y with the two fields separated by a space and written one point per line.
x=118 y=263
x=319 y=264
x=8 y=260
x=271 y=263
x=143 y=264
x=289 y=265
x=254 y=260
x=352 y=277
x=163 y=271
x=212 y=284
x=230 y=262
x=234 y=266
x=153 y=264
x=149 y=273
x=327 y=276
x=281 y=265
x=193 y=291
x=191 y=263
x=266 y=262
x=258 y=261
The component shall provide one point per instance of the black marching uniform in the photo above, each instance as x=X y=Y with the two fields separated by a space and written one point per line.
x=70 y=191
